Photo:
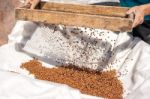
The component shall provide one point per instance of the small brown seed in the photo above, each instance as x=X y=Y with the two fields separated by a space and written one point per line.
x=97 y=83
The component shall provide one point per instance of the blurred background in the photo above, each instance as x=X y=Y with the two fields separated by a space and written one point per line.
x=7 y=18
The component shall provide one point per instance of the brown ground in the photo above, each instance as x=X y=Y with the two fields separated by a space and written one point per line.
x=7 y=19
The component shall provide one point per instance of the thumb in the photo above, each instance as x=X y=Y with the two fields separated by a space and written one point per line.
x=34 y=4
x=130 y=11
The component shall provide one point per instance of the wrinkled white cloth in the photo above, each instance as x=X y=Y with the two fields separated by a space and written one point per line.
x=133 y=59
x=15 y=86
x=136 y=80
x=20 y=85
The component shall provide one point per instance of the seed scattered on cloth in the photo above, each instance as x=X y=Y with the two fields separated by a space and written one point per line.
x=100 y=83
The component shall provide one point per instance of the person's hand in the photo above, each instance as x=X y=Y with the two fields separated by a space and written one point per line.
x=138 y=11
x=32 y=3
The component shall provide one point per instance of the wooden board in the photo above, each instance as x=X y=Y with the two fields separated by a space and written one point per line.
x=73 y=18
x=86 y=9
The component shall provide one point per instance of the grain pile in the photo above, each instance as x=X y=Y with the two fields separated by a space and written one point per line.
x=104 y=84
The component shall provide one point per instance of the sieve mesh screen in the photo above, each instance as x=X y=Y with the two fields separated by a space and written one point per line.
x=79 y=46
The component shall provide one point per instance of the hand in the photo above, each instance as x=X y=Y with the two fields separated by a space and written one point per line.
x=139 y=15
x=33 y=3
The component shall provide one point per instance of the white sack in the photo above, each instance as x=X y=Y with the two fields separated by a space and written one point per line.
x=133 y=57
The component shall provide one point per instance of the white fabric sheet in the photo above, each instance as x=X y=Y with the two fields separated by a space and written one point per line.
x=23 y=86
x=134 y=57
x=136 y=81
x=14 y=86
x=20 y=85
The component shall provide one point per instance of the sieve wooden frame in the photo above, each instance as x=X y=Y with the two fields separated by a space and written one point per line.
x=92 y=16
